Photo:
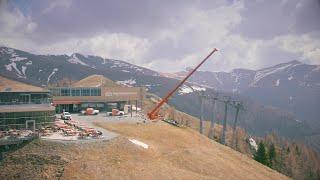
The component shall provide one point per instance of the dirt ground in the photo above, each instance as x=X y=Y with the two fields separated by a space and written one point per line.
x=174 y=153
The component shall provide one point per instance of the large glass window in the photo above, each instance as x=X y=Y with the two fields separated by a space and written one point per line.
x=65 y=91
x=18 y=119
x=75 y=92
x=85 y=92
x=9 y=98
x=95 y=92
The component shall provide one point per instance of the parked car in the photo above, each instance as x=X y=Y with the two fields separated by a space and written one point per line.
x=115 y=112
x=90 y=111
x=65 y=116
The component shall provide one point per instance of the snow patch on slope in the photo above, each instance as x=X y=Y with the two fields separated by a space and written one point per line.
x=75 y=60
x=316 y=68
x=278 y=82
x=266 y=72
x=217 y=78
x=186 y=89
x=139 y=143
x=52 y=73
x=129 y=82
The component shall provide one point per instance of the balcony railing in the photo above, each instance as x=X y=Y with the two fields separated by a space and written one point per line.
x=33 y=101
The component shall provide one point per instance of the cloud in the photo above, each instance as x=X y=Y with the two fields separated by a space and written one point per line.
x=168 y=35
x=14 y=23
x=57 y=4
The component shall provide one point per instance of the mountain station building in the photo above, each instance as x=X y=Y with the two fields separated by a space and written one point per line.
x=96 y=92
x=24 y=106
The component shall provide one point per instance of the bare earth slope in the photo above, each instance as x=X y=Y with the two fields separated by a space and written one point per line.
x=11 y=85
x=174 y=153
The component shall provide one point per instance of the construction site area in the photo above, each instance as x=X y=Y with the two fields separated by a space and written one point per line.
x=97 y=129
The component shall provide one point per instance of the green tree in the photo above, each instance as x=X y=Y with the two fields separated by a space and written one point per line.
x=272 y=155
x=261 y=154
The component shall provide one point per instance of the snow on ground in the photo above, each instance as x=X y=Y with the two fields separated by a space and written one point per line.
x=217 y=78
x=8 y=67
x=253 y=144
x=278 y=82
x=29 y=63
x=15 y=58
x=290 y=99
x=197 y=88
x=53 y=72
x=236 y=76
x=290 y=78
x=125 y=71
x=11 y=66
x=266 y=72
x=186 y=89
x=139 y=143
x=23 y=69
x=128 y=82
x=316 y=68
x=75 y=60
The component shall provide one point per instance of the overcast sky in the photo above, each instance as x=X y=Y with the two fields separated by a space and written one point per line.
x=168 y=35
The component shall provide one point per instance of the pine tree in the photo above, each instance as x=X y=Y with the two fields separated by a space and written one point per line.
x=261 y=154
x=272 y=155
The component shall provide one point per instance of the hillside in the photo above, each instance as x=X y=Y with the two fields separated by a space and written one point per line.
x=173 y=153
x=292 y=158
x=11 y=85
x=95 y=81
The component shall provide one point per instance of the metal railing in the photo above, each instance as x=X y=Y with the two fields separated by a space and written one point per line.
x=33 y=101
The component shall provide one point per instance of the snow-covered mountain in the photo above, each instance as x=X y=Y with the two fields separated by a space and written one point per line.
x=292 y=86
x=47 y=69
x=239 y=80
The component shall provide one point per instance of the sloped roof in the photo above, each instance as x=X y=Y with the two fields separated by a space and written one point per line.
x=95 y=81
x=7 y=85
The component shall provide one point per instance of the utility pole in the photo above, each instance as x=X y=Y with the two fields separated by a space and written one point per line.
x=202 y=96
x=238 y=106
x=226 y=102
x=214 y=99
x=141 y=93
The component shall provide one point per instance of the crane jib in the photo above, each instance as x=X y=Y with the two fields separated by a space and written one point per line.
x=153 y=114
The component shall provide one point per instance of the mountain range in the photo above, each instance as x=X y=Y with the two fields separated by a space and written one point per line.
x=283 y=98
x=291 y=86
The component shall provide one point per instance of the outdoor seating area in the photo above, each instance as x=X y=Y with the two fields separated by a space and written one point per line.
x=70 y=130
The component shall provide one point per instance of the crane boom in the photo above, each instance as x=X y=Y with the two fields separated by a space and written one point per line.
x=154 y=113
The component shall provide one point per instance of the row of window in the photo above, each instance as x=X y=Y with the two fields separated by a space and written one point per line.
x=24 y=98
x=75 y=91
x=21 y=117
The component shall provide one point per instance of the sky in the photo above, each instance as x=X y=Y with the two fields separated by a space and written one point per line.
x=168 y=35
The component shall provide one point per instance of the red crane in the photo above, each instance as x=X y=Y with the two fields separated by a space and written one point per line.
x=154 y=114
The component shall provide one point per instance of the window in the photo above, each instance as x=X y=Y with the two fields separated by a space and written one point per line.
x=55 y=91
x=85 y=92
x=95 y=91
x=75 y=92
x=65 y=91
